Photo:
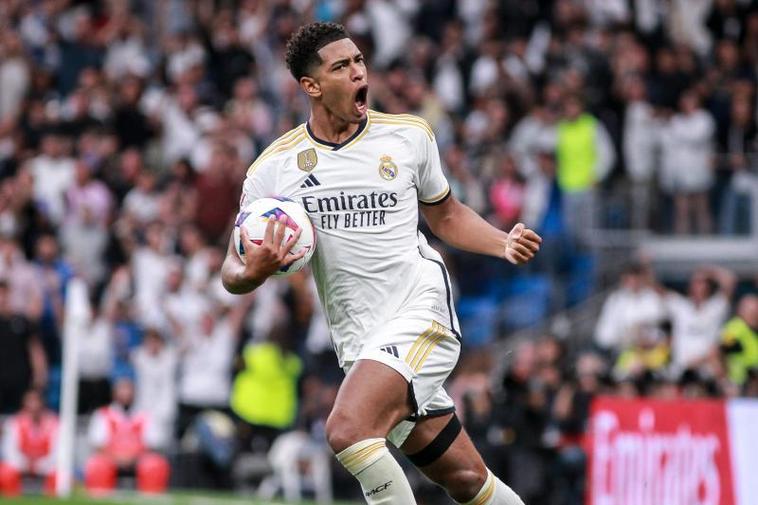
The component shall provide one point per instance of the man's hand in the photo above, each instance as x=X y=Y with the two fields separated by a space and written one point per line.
x=522 y=244
x=261 y=260
x=264 y=260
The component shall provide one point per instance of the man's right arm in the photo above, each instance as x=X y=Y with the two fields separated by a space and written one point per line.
x=262 y=261
x=235 y=275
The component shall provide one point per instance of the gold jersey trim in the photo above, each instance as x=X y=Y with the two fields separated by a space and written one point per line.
x=436 y=198
x=283 y=143
x=402 y=119
x=339 y=147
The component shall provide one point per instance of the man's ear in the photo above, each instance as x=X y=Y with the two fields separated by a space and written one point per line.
x=311 y=86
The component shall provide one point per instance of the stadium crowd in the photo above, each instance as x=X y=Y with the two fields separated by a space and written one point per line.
x=125 y=131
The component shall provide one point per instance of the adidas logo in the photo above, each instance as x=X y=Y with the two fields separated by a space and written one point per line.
x=310 y=181
x=390 y=349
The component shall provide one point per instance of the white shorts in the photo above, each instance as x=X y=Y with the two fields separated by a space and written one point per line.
x=422 y=344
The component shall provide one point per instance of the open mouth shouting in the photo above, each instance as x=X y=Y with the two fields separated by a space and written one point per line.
x=361 y=100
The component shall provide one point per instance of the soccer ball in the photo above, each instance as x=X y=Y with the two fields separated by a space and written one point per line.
x=255 y=215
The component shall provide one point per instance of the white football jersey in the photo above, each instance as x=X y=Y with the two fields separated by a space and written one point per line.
x=362 y=196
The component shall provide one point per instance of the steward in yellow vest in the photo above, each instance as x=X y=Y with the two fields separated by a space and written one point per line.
x=264 y=393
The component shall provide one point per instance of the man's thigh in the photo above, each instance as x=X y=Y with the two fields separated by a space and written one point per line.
x=422 y=350
x=459 y=456
x=373 y=398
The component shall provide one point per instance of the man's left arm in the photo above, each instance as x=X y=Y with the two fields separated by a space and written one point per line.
x=459 y=226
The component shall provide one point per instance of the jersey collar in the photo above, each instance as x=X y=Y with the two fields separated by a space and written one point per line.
x=332 y=146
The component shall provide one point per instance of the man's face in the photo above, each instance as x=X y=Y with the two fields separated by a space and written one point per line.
x=33 y=404
x=123 y=392
x=340 y=82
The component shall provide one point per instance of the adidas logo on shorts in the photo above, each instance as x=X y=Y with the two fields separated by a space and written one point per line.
x=390 y=349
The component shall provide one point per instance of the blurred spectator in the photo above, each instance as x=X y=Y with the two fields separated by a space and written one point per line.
x=121 y=439
x=632 y=306
x=20 y=276
x=738 y=149
x=150 y=266
x=79 y=50
x=585 y=156
x=570 y=413
x=22 y=357
x=726 y=19
x=85 y=235
x=648 y=352
x=206 y=353
x=463 y=183
x=507 y=194
x=198 y=255
x=687 y=169
x=739 y=341
x=131 y=125
x=264 y=392
x=155 y=366
x=14 y=76
x=53 y=273
x=183 y=302
x=53 y=173
x=640 y=141
x=141 y=203
x=97 y=354
x=219 y=183
x=696 y=318
x=532 y=135
x=29 y=446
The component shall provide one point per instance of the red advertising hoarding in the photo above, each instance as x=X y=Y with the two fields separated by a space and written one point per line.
x=657 y=452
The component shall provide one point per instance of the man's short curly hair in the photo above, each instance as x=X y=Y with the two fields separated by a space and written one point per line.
x=303 y=46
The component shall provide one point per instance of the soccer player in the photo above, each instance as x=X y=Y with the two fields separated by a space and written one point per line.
x=361 y=175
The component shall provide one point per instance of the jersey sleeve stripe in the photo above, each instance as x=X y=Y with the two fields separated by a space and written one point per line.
x=268 y=153
x=405 y=122
x=402 y=116
x=403 y=119
x=437 y=199
x=283 y=139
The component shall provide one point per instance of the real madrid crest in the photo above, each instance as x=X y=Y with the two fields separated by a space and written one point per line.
x=307 y=160
x=387 y=168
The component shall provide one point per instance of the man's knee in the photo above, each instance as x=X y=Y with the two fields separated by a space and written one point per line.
x=463 y=484
x=344 y=430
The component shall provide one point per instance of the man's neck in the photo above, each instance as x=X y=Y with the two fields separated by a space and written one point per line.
x=326 y=126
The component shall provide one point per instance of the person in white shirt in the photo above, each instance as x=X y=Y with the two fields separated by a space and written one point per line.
x=635 y=303
x=687 y=169
x=53 y=174
x=155 y=366
x=206 y=353
x=385 y=292
x=697 y=318
x=150 y=266
x=639 y=147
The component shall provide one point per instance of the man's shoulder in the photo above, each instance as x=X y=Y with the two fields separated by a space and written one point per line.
x=402 y=123
x=280 y=147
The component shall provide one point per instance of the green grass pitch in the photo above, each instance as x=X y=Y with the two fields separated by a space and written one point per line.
x=184 y=498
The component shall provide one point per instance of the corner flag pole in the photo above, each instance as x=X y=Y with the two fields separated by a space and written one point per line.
x=77 y=314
